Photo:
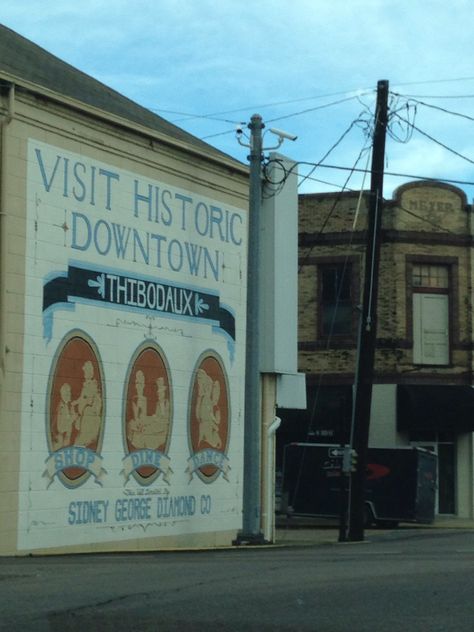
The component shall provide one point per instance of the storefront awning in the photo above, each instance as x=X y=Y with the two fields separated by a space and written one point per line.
x=440 y=408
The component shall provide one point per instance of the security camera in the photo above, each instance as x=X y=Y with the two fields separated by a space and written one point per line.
x=282 y=134
x=239 y=130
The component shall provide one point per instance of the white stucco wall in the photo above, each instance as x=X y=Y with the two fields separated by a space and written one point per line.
x=125 y=265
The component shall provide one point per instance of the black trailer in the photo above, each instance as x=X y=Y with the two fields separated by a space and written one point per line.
x=400 y=483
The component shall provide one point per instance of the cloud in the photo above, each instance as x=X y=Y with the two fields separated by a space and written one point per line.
x=217 y=56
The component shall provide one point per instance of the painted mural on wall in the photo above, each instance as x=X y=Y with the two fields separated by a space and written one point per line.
x=76 y=413
x=132 y=390
x=209 y=420
x=147 y=418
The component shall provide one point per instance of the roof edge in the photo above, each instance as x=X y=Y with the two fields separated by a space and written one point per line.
x=34 y=88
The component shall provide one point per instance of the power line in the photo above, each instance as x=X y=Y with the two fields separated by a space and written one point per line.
x=434 y=140
x=425 y=219
x=402 y=208
x=246 y=108
x=209 y=117
x=286 y=116
x=338 y=142
x=331 y=184
x=390 y=173
x=318 y=107
x=428 y=81
x=229 y=131
x=436 y=107
x=330 y=334
x=439 y=96
x=335 y=203
x=399 y=206
x=408 y=132
x=287 y=172
x=359 y=92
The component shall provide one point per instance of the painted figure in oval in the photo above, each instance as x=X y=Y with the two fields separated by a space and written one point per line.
x=88 y=408
x=148 y=430
x=208 y=413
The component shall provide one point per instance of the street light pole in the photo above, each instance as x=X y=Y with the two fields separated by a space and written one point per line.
x=251 y=525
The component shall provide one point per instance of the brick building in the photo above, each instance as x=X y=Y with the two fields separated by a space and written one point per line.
x=422 y=392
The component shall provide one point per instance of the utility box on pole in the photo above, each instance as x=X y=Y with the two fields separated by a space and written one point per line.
x=282 y=385
x=279 y=291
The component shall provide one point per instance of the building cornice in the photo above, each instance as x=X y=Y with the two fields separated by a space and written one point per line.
x=22 y=84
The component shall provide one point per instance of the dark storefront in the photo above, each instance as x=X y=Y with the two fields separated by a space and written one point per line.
x=433 y=417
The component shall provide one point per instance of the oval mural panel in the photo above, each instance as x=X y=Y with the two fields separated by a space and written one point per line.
x=76 y=412
x=147 y=416
x=209 y=419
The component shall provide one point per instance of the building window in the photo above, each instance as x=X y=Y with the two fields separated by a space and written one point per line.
x=430 y=285
x=335 y=299
x=427 y=276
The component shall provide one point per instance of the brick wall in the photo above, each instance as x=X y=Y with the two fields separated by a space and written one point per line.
x=423 y=223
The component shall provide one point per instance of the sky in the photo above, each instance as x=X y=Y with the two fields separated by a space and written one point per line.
x=309 y=67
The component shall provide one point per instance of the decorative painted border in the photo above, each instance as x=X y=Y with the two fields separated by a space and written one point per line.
x=209 y=418
x=75 y=412
x=147 y=416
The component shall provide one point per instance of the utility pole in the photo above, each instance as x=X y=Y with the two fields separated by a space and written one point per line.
x=251 y=526
x=252 y=481
x=368 y=323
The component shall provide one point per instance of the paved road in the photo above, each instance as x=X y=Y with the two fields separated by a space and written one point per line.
x=410 y=580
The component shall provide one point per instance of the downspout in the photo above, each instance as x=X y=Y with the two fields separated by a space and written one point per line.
x=267 y=477
x=4 y=122
x=269 y=517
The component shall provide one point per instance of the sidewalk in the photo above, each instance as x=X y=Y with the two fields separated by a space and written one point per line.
x=305 y=531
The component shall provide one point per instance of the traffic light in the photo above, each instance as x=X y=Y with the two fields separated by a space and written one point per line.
x=349 y=460
x=354 y=458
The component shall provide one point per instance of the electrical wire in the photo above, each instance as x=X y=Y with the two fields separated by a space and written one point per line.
x=407 y=130
x=287 y=172
x=280 y=183
x=318 y=387
x=318 y=107
x=427 y=81
x=328 y=344
x=338 y=186
x=408 y=127
x=450 y=149
x=402 y=208
x=334 y=205
x=330 y=150
x=393 y=174
x=439 y=96
x=360 y=92
x=357 y=121
x=209 y=117
x=266 y=105
x=436 y=107
x=426 y=220
x=330 y=184
x=287 y=116
x=229 y=131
